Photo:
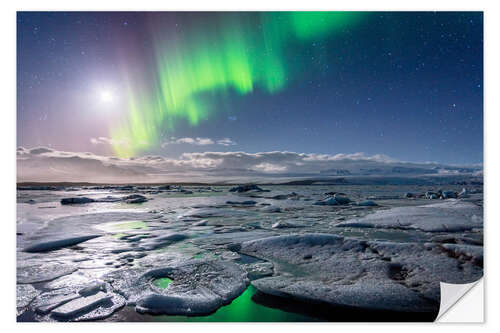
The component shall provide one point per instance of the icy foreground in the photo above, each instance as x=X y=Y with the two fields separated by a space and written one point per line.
x=87 y=253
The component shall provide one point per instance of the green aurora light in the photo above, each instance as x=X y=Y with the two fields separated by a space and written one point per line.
x=234 y=53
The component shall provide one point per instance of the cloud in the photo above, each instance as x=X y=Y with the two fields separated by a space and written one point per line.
x=199 y=141
x=291 y=162
x=270 y=168
x=21 y=151
x=196 y=141
x=45 y=164
x=226 y=142
x=102 y=140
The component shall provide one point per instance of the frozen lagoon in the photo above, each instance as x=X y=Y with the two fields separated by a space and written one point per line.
x=273 y=251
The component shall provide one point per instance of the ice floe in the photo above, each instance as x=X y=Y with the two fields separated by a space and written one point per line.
x=198 y=287
x=353 y=273
x=43 y=272
x=448 y=216
x=58 y=243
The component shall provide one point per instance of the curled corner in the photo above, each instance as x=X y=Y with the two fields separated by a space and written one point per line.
x=451 y=296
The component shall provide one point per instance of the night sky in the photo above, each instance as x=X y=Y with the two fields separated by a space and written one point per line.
x=407 y=85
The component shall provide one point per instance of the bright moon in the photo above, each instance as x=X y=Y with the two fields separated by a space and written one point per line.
x=106 y=96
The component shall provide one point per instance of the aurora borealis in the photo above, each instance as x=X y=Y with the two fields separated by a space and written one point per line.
x=130 y=84
x=228 y=54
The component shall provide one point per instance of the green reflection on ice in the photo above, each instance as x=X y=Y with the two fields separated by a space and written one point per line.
x=242 y=309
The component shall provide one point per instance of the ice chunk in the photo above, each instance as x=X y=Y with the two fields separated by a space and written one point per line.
x=349 y=272
x=198 y=287
x=246 y=188
x=43 y=272
x=58 y=243
x=81 y=305
x=161 y=241
x=76 y=200
x=327 y=202
x=25 y=293
x=241 y=203
x=93 y=288
x=449 y=216
x=50 y=301
x=367 y=203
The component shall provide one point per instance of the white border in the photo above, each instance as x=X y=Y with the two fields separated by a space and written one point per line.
x=8 y=138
